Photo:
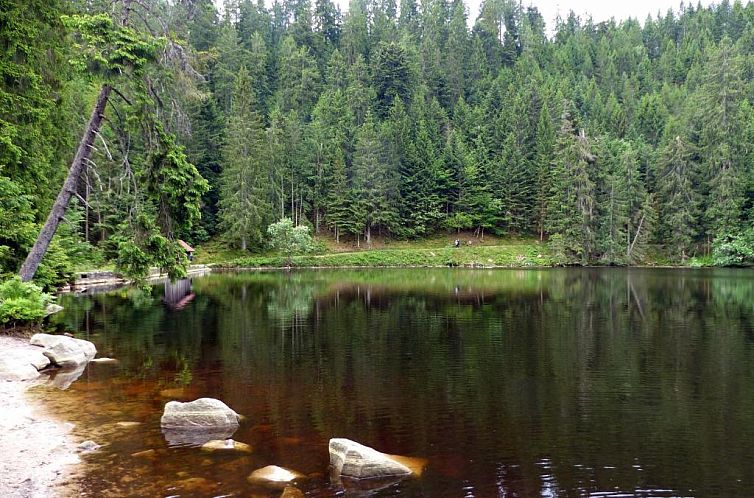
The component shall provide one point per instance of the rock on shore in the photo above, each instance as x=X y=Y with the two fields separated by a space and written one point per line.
x=64 y=351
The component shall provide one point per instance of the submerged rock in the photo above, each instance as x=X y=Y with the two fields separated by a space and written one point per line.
x=64 y=351
x=88 y=446
x=104 y=360
x=274 y=476
x=179 y=393
x=228 y=445
x=194 y=437
x=128 y=424
x=351 y=459
x=292 y=492
x=149 y=454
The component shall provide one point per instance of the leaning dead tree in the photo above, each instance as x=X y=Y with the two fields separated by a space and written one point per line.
x=79 y=164
x=132 y=51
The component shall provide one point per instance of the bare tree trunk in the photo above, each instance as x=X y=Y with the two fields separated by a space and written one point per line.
x=29 y=268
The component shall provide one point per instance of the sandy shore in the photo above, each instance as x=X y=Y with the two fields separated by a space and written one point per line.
x=37 y=452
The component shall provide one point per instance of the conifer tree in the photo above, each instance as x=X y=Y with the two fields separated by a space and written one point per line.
x=244 y=206
x=571 y=206
x=679 y=204
x=375 y=208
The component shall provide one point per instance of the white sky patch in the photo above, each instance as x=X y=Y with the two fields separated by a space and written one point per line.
x=600 y=10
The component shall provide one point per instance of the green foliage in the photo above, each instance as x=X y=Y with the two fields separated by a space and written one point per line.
x=244 y=205
x=175 y=185
x=101 y=47
x=735 y=250
x=290 y=239
x=22 y=302
x=400 y=125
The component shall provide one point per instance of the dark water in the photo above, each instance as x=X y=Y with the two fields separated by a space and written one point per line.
x=606 y=382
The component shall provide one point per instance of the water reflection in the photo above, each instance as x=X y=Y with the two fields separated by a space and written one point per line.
x=511 y=383
x=178 y=294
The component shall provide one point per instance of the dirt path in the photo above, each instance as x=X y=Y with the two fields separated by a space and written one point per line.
x=36 y=451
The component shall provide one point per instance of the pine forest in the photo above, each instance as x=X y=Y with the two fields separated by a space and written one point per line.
x=611 y=143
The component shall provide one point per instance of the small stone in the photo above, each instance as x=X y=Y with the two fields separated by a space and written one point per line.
x=196 y=485
x=88 y=446
x=226 y=445
x=292 y=492
x=274 y=476
x=128 y=424
x=104 y=360
x=150 y=454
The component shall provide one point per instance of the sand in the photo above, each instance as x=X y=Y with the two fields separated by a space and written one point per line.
x=37 y=452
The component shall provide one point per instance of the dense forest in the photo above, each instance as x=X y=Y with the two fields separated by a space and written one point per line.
x=601 y=139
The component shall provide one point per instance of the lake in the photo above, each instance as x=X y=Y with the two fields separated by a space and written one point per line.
x=511 y=383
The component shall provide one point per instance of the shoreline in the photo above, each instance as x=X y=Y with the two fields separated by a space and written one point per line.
x=38 y=450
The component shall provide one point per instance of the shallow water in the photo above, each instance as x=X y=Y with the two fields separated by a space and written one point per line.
x=572 y=382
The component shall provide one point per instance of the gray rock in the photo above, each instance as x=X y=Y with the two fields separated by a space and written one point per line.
x=201 y=414
x=12 y=369
x=351 y=459
x=22 y=362
x=64 y=351
x=38 y=360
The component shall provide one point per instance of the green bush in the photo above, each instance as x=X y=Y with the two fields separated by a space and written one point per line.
x=22 y=302
x=734 y=251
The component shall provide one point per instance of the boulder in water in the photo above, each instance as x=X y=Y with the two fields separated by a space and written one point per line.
x=64 y=351
x=351 y=459
x=203 y=413
x=196 y=422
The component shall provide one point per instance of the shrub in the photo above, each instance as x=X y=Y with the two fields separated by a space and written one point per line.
x=22 y=302
x=734 y=251
x=290 y=239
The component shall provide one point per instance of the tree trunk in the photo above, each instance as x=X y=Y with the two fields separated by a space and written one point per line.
x=29 y=268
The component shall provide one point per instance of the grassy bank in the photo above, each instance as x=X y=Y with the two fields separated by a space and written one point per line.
x=512 y=255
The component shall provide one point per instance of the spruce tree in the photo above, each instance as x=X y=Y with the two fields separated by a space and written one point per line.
x=571 y=207
x=244 y=206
